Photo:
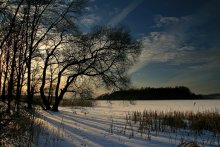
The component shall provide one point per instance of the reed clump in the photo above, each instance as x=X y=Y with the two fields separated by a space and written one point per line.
x=195 y=124
x=195 y=121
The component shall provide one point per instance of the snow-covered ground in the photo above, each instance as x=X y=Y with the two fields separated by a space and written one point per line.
x=105 y=124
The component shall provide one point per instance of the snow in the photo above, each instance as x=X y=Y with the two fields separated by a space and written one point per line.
x=104 y=124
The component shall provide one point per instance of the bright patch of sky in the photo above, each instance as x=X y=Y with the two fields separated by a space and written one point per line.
x=181 y=39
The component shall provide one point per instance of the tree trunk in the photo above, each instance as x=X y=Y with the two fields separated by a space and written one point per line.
x=3 y=87
x=58 y=100
x=18 y=95
x=20 y=77
x=29 y=94
x=5 y=76
x=1 y=72
x=56 y=105
x=18 y=90
x=11 y=80
x=45 y=101
x=50 y=93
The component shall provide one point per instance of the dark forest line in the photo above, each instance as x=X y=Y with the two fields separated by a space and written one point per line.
x=149 y=93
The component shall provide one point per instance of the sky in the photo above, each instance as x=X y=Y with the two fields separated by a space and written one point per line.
x=181 y=40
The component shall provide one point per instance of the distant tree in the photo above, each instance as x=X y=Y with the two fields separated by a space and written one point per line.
x=148 y=93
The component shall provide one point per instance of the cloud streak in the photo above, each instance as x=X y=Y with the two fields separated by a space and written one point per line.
x=125 y=12
x=176 y=43
x=162 y=47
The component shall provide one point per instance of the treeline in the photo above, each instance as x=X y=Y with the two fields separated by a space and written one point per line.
x=148 y=93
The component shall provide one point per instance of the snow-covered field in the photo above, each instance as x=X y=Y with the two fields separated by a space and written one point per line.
x=105 y=124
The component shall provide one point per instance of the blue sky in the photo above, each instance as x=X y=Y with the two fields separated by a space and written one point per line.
x=181 y=40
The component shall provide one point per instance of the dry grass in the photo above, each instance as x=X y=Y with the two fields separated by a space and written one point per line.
x=200 y=121
x=196 y=124
x=188 y=144
x=78 y=102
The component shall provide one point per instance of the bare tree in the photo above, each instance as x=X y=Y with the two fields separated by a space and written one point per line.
x=42 y=47
x=28 y=23
x=50 y=53
x=104 y=55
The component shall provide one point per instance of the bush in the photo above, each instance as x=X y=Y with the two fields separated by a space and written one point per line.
x=16 y=130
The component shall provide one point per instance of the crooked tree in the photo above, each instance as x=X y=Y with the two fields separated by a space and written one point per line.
x=103 y=55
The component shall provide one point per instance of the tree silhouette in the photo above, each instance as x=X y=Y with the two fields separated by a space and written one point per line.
x=42 y=47
x=25 y=25
x=148 y=93
x=104 y=54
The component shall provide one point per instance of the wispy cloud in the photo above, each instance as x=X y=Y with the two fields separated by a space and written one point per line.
x=176 y=43
x=162 y=47
x=162 y=21
x=124 y=13
x=89 y=20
